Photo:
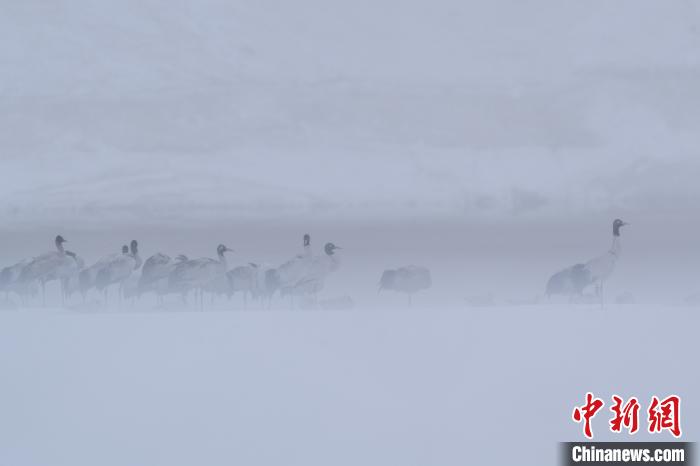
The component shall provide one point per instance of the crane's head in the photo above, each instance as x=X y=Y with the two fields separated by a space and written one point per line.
x=330 y=248
x=617 y=224
x=134 y=246
x=125 y=249
x=221 y=249
x=307 y=240
x=60 y=240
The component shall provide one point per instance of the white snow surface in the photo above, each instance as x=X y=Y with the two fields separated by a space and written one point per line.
x=371 y=386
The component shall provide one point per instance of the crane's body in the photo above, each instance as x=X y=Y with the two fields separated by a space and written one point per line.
x=408 y=279
x=50 y=266
x=196 y=274
x=118 y=270
x=573 y=280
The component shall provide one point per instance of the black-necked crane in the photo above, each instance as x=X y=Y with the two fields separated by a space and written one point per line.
x=244 y=279
x=155 y=272
x=118 y=270
x=50 y=266
x=87 y=276
x=409 y=279
x=573 y=280
x=290 y=273
x=71 y=283
x=196 y=274
x=10 y=282
x=317 y=270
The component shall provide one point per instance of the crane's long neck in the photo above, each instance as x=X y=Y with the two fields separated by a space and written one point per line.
x=59 y=247
x=135 y=254
x=222 y=260
x=616 y=247
x=334 y=261
x=138 y=261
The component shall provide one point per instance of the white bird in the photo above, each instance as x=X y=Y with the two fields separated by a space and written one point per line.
x=196 y=274
x=71 y=283
x=50 y=266
x=409 y=279
x=290 y=273
x=155 y=272
x=9 y=281
x=573 y=280
x=87 y=276
x=602 y=267
x=317 y=270
x=570 y=281
x=130 y=287
x=244 y=279
x=265 y=283
x=118 y=270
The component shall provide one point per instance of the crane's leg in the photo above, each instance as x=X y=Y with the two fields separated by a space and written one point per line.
x=43 y=293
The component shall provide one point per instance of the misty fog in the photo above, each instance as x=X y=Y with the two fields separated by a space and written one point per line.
x=491 y=142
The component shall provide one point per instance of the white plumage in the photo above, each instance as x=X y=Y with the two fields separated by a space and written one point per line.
x=118 y=270
x=50 y=266
x=87 y=276
x=130 y=286
x=573 y=280
x=10 y=282
x=317 y=269
x=409 y=279
x=70 y=284
x=198 y=273
x=289 y=274
x=155 y=272
x=244 y=279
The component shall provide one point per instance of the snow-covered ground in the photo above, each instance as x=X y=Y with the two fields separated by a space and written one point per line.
x=372 y=386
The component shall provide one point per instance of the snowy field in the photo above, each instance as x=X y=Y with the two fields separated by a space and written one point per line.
x=368 y=386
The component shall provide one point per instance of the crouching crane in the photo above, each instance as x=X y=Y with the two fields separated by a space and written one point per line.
x=409 y=279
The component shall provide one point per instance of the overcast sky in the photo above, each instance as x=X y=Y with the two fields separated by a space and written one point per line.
x=504 y=109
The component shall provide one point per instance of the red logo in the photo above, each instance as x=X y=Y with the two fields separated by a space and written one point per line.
x=626 y=416
x=588 y=412
x=662 y=414
x=665 y=415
